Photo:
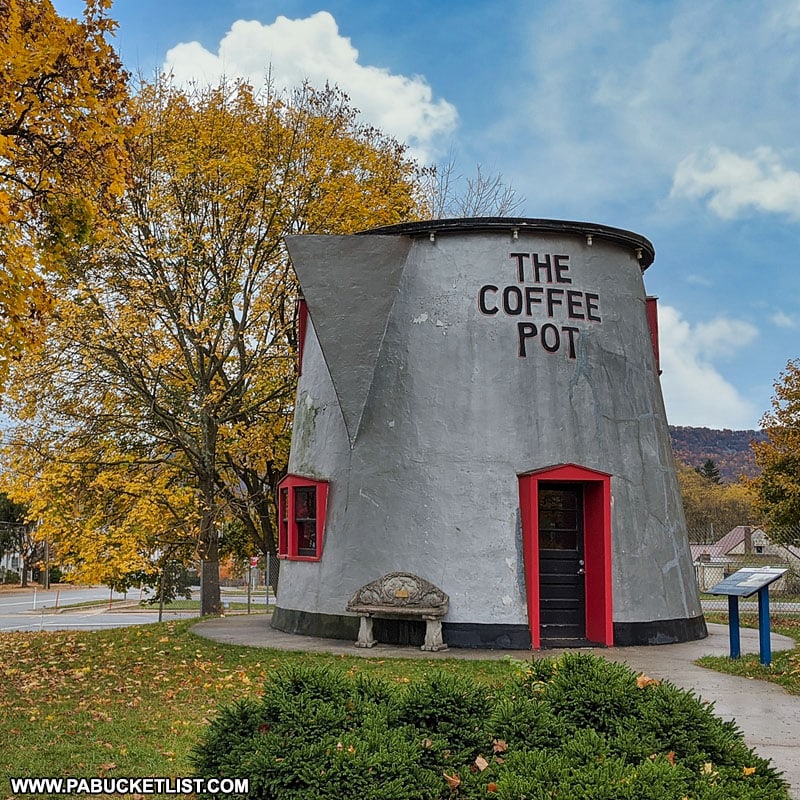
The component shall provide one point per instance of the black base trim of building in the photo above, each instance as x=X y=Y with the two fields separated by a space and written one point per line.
x=305 y=623
x=487 y=637
x=662 y=631
x=475 y=635
x=402 y=631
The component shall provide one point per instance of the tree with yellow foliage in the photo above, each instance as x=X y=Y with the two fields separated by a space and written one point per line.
x=778 y=485
x=161 y=399
x=63 y=95
x=713 y=508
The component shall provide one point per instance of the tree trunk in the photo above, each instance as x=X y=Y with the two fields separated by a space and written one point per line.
x=209 y=551
x=209 y=583
x=161 y=591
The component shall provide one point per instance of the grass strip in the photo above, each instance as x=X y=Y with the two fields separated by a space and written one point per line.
x=785 y=667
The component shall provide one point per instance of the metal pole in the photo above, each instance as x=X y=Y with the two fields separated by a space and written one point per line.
x=267 y=581
x=764 y=647
x=733 y=625
x=249 y=582
x=46 y=563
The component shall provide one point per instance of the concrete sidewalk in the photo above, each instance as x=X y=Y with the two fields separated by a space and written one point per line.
x=767 y=714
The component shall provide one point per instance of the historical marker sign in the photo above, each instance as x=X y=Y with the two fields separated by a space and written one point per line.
x=747 y=581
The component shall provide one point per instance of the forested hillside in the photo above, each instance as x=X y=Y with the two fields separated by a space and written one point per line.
x=730 y=450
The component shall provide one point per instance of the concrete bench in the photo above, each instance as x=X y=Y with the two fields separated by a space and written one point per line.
x=401 y=595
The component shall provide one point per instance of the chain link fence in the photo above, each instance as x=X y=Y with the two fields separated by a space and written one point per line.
x=718 y=553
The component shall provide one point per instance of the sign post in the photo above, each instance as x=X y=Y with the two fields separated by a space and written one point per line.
x=253 y=563
x=733 y=625
x=745 y=583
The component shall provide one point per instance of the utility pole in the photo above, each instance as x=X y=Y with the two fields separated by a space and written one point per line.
x=47 y=563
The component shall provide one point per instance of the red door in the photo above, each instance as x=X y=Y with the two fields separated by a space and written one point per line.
x=567 y=508
x=562 y=585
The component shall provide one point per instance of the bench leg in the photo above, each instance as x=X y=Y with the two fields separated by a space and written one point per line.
x=365 y=637
x=433 y=636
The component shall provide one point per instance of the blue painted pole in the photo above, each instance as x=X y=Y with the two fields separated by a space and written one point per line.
x=764 y=645
x=733 y=625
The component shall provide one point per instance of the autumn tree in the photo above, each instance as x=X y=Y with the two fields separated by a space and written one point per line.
x=710 y=471
x=63 y=94
x=171 y=358
x=108 y=513
x=778 y=485
x=713 y=508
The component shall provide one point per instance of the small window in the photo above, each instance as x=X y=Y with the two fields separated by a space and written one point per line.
x=305 y=519
x=283 y=523
x=301 y=515
x=759 y=548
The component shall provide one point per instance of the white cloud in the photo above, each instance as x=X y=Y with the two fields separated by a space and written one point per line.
x=734 y=184
x=698 y=280
x=295 y=50
x=695 y=393
x=783 y=320
x=620 y=92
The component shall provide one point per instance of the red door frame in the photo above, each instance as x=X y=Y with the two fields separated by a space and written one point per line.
x=597 y=545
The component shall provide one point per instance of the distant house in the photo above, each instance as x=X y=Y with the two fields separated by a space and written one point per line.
x=743 y=545
x=9 y=562
x=10 y=559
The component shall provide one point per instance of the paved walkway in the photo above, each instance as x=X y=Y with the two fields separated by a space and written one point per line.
x=767 y=714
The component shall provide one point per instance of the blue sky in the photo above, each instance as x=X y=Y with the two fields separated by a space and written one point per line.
x=677 y=119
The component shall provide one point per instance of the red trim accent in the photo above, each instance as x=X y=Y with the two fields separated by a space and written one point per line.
x=597 y=545
x=652 y=322
x=302 y=327
x=287 y=526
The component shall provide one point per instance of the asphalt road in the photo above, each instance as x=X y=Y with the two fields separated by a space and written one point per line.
x=39 y=610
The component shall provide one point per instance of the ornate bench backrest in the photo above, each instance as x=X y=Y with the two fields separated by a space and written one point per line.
x=400 y=590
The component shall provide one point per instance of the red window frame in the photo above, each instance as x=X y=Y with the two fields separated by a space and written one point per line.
x=302 y=503
x=302 y=328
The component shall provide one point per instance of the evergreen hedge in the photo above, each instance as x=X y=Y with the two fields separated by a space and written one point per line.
x=573 y=727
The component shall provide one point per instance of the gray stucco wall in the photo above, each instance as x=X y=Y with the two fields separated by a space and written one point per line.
x=423 y=476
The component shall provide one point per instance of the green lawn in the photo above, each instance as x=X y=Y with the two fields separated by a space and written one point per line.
x=785 y=666
x=132 y=701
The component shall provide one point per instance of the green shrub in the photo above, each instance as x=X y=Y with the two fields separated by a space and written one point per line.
x=573 y=727
x=448 y=708
x=590 y=692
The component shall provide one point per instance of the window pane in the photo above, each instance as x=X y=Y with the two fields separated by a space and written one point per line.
x=305 y=503
x=307 y=538
x=558 y=540
x=284 y=505
x=558 y=520
x=558 y=499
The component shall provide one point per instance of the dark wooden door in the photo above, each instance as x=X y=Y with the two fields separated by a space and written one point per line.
x=562 y=586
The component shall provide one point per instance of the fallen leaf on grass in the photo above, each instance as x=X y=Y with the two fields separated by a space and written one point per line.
x=453 y=781
x=645 y=680
x=481 y=763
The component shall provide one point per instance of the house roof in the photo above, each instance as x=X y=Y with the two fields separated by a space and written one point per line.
x=711 y=550
x=733 y=538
